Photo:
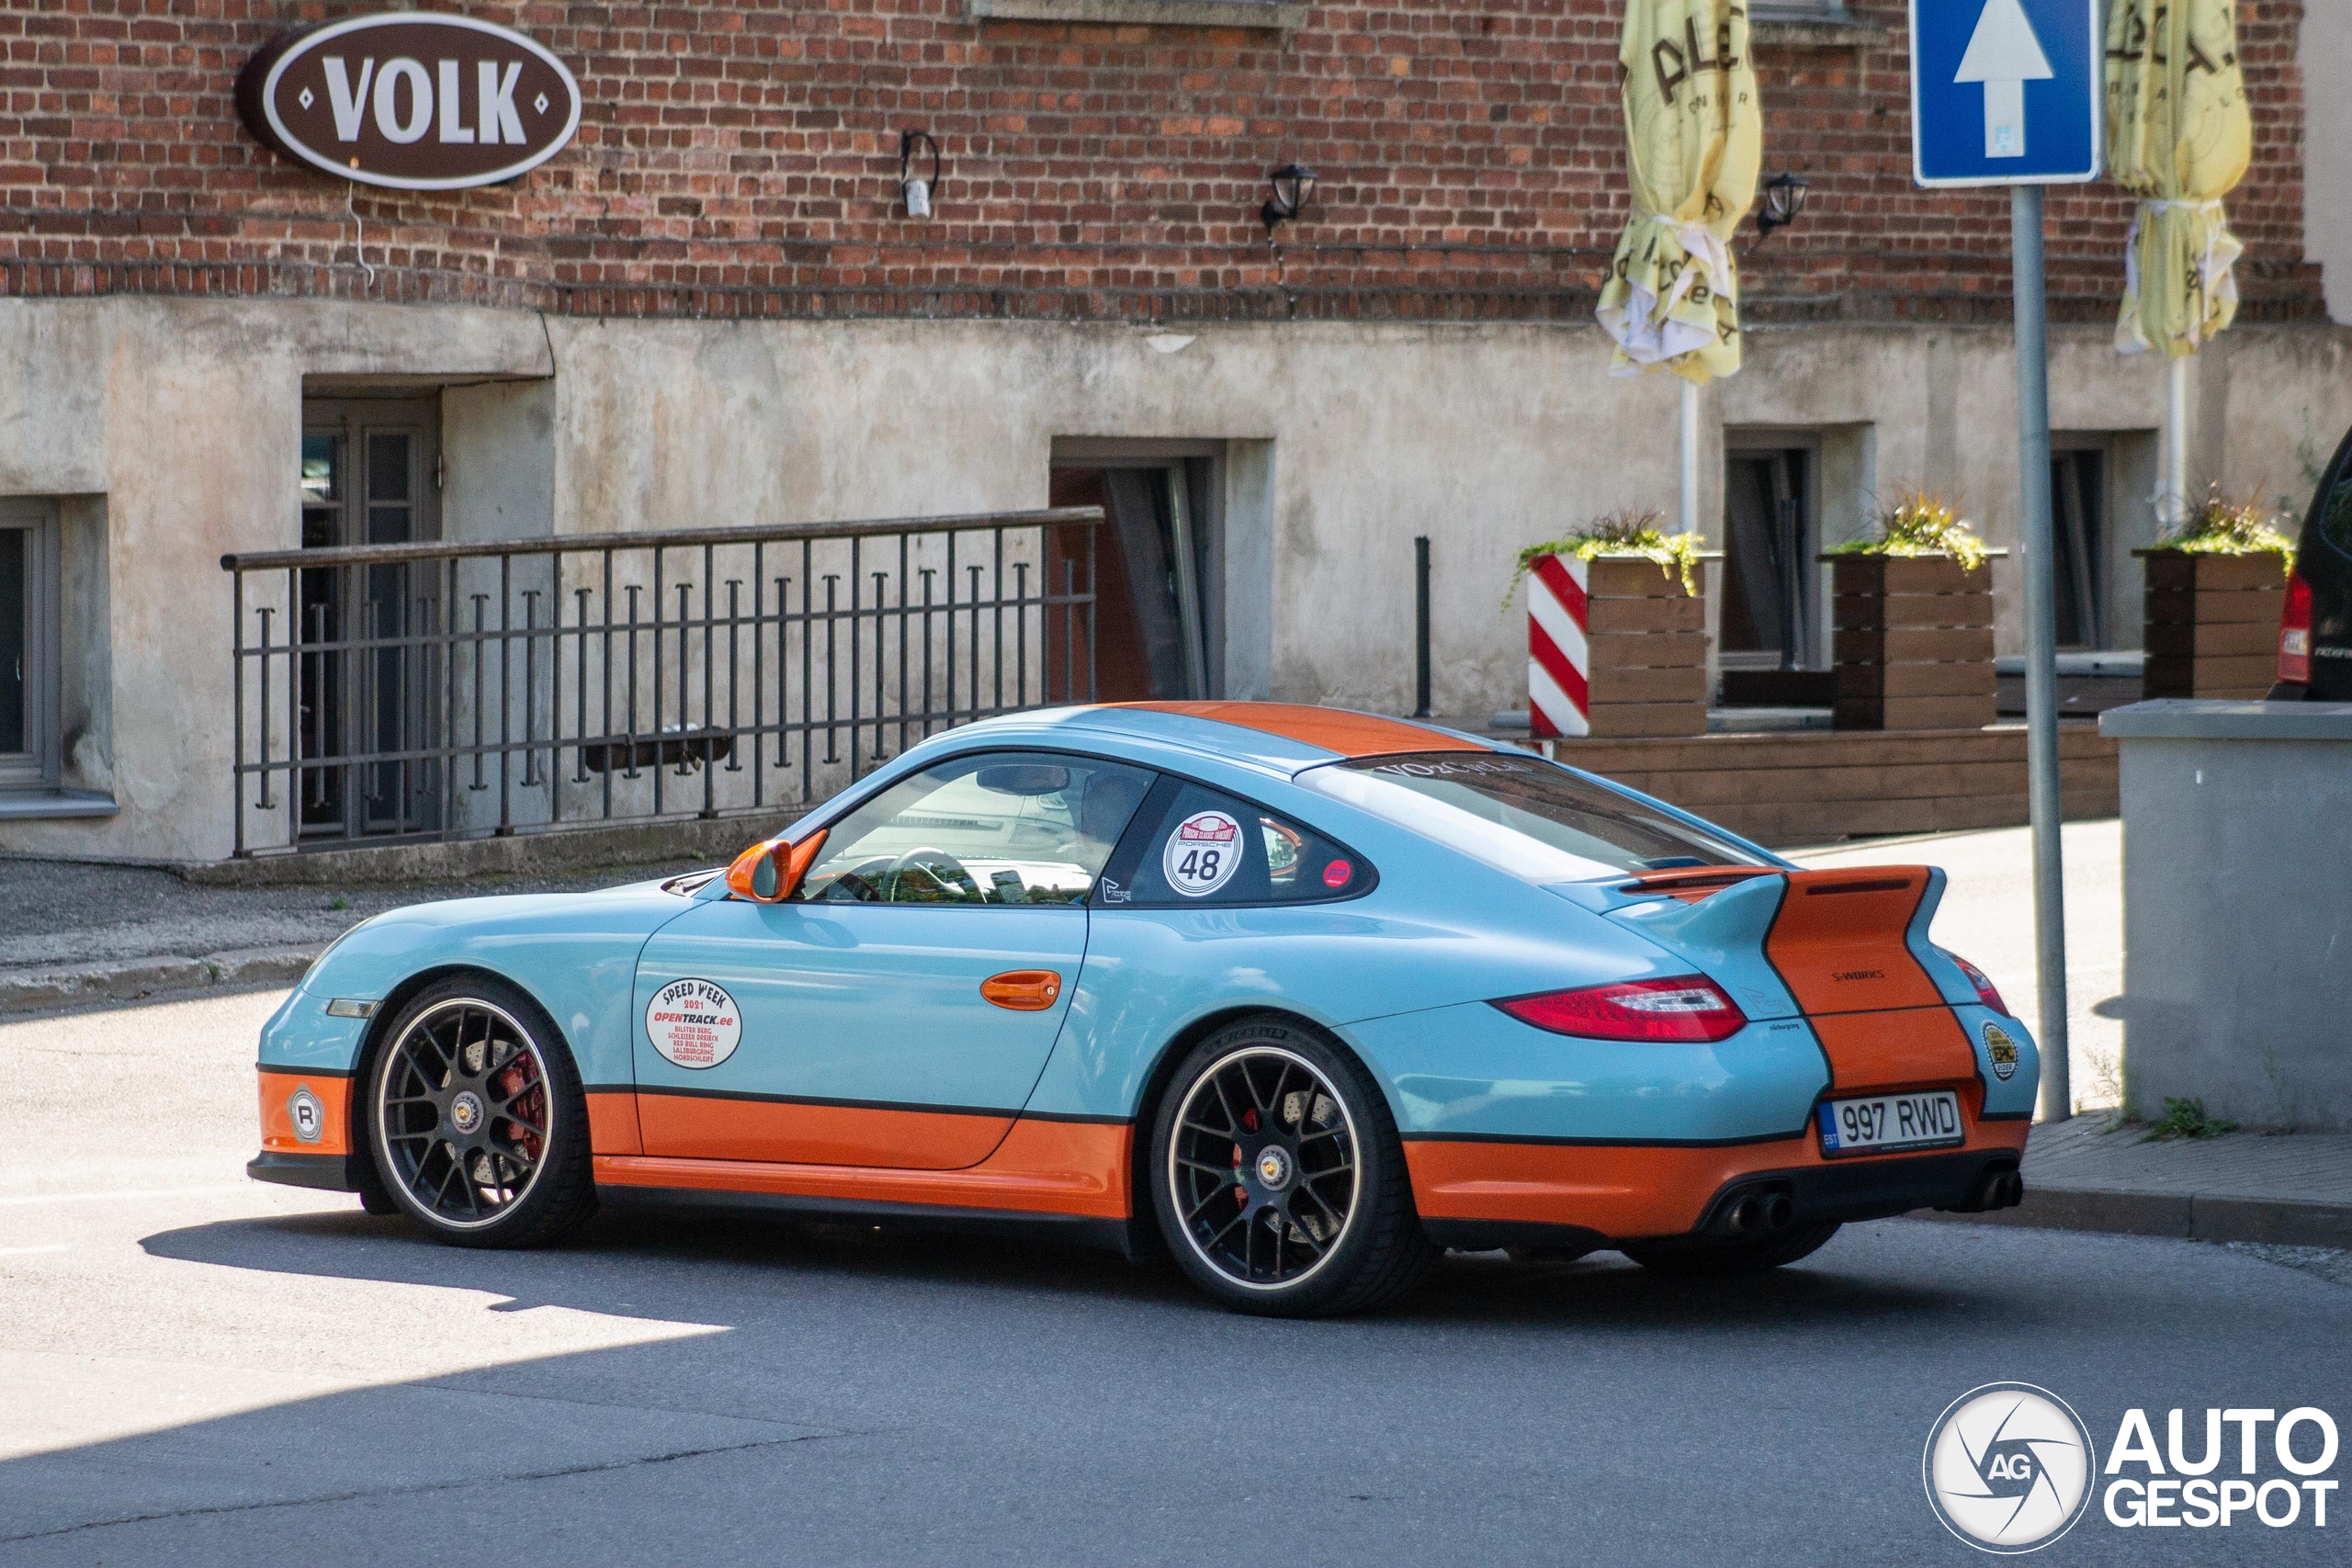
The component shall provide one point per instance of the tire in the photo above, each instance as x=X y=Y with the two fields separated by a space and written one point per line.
x=1702 y=1256
x=1297 y=1203
x=475 y=1120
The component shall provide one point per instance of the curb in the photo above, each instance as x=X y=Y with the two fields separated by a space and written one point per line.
x=2187 y=1216
x=36 y=988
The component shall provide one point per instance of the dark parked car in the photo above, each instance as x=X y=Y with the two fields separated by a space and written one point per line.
x=2315 y=628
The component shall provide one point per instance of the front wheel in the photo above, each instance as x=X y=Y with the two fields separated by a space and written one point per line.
x=1746 y=1255
x=476 y=1120
x=1278 y=1178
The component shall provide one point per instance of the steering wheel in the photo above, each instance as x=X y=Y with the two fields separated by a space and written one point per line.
x=949 y=882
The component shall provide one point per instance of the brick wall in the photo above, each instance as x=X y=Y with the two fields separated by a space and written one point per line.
x=743 y=158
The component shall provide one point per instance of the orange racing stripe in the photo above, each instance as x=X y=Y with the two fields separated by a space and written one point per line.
x=1047 y=1167
x=707 y=1126
x=1838 y=939
x=1348 y=734
x=612 y=1123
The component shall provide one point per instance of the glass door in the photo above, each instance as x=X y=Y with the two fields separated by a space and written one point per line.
x=370 y=476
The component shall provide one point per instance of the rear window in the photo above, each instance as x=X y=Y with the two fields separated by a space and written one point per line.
x=1523 y=815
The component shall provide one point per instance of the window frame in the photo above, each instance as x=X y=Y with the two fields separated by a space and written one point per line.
x=867 y=797
x=1136 y=841
x=40 y=767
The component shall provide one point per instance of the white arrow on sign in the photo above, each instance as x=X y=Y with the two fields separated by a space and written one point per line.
x=2004 y=54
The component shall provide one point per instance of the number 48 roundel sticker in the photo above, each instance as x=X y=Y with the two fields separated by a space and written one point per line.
x=1203 y=853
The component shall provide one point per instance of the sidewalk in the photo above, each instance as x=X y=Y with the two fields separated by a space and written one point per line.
x=2292 y=1189
x=74 y=935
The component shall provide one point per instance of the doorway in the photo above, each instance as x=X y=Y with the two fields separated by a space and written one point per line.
x=1766 y=638
x=2078 y=522
x=371 y=475
x=1157 y=605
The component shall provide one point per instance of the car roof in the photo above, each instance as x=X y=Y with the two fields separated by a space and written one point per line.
x=1284 y=737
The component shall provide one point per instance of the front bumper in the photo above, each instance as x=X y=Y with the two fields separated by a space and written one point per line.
x=327 y=1173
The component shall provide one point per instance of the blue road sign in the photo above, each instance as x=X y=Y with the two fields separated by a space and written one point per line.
x=2005 y=92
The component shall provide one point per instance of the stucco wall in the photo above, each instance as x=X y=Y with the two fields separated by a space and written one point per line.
x=185 y=416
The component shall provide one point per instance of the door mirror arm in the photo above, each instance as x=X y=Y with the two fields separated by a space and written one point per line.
x=771 y=872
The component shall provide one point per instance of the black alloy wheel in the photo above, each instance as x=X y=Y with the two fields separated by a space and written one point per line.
x=1280 y=1183
x=478 y=1125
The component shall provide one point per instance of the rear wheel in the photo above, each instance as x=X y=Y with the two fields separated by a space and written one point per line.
x=1278 y=1178
x=476 y=1120
x=1715 y=1255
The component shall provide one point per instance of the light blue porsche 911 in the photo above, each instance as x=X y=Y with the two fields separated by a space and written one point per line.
x=1300 y=996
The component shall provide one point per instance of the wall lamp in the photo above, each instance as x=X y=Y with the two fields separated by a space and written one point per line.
x=918 y=188
x=1292 y=187
x=1784 y=202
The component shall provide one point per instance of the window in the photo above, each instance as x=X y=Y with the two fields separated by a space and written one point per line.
x=998 y=828
x=2078 y=491
x=1523 y=816
x=31 y=755
x=1195 y=845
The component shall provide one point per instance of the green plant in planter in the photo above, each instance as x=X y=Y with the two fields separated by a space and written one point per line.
x=2226 y=527
x=1626 y=533
x=1920 y=525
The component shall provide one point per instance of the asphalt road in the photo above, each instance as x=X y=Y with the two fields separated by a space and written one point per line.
x=195 y=1369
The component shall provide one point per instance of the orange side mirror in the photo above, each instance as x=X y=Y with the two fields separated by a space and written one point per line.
x=770 y=871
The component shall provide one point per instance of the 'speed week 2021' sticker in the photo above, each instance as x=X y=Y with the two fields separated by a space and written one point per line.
x=1203 y=853
x=694 y=1024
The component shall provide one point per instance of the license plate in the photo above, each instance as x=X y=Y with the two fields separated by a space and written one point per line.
x=1883 y=1123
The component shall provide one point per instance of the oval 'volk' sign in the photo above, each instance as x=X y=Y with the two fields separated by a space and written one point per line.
x=412 y=100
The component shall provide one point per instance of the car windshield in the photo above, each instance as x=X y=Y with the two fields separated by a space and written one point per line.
x=1523 y=815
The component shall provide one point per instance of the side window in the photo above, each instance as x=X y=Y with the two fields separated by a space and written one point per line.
x=1194 y=845
x=998 y=828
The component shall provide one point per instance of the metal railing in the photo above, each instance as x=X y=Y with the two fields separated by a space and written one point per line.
x=457 y=690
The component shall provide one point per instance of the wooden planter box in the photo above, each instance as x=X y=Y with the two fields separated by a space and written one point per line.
x=2211 y=623
x=1914 y=646
x=1648 y=643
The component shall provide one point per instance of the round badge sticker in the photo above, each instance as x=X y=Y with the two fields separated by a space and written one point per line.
x=310 y=1118
x=2002 y=1051
x=1203 y=853
x=694 y=1024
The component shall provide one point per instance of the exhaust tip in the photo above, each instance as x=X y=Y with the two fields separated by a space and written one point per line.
x=1744 y=1216
x=1779 y=1210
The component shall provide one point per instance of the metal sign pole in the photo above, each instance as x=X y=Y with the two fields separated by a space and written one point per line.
x=2041 y=650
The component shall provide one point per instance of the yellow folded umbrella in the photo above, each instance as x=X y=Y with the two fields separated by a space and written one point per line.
x=2179 y=135
x=1694 y=134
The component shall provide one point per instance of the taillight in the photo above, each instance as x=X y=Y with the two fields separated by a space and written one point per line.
x=1691 y=1007
x=1986 y=992
x=2295 y=632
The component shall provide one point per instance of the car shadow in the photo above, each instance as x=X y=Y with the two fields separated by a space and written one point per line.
x=726 y=1269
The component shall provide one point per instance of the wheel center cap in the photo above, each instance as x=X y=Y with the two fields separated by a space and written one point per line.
x=466 y=1112
x=1274 y=1168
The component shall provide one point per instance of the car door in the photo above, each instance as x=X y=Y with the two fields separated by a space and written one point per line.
x=857 y=1024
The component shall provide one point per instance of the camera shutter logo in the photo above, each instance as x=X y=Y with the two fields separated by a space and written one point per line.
x=2008 y=1468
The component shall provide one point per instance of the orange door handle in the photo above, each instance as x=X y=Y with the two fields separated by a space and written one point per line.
x=1023 y=990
